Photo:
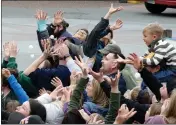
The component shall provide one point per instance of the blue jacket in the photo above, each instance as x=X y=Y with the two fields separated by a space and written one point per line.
x=18 y=90
x=41 y=78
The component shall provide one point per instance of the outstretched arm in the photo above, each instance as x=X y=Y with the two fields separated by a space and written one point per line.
x=39 y=60
x=98 y=32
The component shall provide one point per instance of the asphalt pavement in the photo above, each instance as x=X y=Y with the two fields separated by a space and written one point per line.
x=19 y=24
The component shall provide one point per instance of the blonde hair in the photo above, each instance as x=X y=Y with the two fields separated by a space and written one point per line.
x=134 y=93
x=154 y=29
x=99 y=97
x=155 y=109
x=170 y=111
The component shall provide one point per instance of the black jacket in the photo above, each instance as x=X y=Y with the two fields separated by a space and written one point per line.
x=151 y=82
x=99 y=31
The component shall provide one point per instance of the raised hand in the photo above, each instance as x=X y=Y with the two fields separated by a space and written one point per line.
x=113 y=82
x=94 y=120
x=6 y=49
x=118 y=24
x=56 y=82
x=113 y=10
x=75 y=76
x=41 y=15
x=58 y=18
x=13 y=49
x=121 y=60
x=62 y=51
x=42 y=91
x=6 y=73
x=135 y=61
x=97 y=76
x=84 y=67
x=55 y=94
x=124 y=114
x=47 y=47
x=66 y=94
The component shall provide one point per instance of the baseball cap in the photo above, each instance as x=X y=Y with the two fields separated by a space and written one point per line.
x=110 y=48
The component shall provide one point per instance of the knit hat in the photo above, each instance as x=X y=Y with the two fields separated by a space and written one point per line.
x=37 y=109
x=73 y=117
x=33 y=119
x=171 y=84
x=15 y=118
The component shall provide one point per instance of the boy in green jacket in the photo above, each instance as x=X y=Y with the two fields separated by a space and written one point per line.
x=9 y=61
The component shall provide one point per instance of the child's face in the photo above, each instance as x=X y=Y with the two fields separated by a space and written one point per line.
x=148 y=37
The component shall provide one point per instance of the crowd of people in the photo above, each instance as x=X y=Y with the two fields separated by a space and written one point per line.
x=84 y=78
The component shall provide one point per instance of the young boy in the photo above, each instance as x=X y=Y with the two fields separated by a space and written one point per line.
x=160 y=52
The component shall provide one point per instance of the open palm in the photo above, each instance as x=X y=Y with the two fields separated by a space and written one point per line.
x=58 y=17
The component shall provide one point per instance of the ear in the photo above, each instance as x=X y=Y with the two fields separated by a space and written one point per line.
x=114 y=65
x=155 y=37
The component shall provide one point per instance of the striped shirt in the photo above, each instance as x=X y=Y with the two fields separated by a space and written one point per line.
x=161 y=50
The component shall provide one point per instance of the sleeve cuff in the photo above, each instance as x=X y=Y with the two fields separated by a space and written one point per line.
x=105 y=20
x=12 y=59
x=42 y=25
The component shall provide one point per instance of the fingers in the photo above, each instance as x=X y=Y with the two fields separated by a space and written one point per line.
x=42 y=91
x=93 y=73
x=59 y=88
x=123 y=107
x=118 y=75
x=131 y=113
x=81 y=59
x=120 y=8
x=119 y=22
x=46 y=44
x=56 y=82
x=112 y=5
x=100 y=122
x=95 y=118
x=107 y=79
x=40 y=15
x=77 y=62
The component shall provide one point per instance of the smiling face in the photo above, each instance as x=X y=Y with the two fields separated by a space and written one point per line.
x=108 y=64
x=24 y=108
x=148 y=37
x=81 y=35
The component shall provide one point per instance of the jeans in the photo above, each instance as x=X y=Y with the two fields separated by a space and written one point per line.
x=94 y=108
x=162 y=76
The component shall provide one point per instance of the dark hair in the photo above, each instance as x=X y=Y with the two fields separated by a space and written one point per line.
x=171 y=85
x=53 y=62
x=65 y=24
x=85 y=30
x=73 y=117
x=122 y=65
x=37 y=109
x=143 y=97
